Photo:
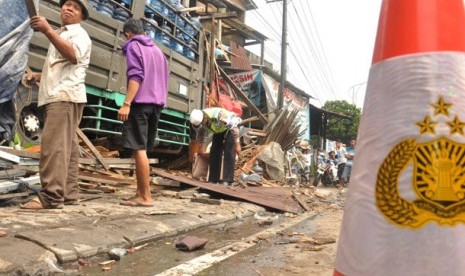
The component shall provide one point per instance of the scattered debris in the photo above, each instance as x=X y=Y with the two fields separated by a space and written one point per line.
x=84 y=262
x=191 y=243
x=117 y=253
x=106 y=263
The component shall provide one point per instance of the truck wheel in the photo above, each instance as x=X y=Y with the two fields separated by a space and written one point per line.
x=30 y=118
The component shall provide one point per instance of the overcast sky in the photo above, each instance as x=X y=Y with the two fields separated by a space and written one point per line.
x=330 y=44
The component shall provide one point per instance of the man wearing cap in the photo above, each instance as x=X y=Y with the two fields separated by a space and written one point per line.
x=224 y=125
x=62 y=94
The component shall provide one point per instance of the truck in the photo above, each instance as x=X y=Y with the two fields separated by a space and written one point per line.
x=178 y=36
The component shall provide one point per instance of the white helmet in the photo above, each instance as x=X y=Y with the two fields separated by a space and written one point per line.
x=196 y=117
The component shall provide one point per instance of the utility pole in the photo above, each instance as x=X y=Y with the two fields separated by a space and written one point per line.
x=280 y=102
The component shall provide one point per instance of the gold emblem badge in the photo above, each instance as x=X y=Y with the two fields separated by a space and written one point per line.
x=438 y=177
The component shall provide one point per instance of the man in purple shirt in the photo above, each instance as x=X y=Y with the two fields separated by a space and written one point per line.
x=147 y=75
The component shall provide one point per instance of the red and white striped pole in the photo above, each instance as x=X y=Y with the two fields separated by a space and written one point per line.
x=405 y=209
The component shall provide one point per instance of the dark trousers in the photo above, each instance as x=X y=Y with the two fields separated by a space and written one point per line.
x=222 y=143
x=59 y=153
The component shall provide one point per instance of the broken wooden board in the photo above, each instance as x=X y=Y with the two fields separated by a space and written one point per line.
x=92 y=148
x=279 y=198
x=104 y=179
x=21 y=153
x=9 y=186
x=9 y=157
x=9 y=174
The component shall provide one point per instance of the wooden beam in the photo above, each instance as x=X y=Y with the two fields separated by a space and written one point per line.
x=9 y=157
x=96 y=153
x=243 y=97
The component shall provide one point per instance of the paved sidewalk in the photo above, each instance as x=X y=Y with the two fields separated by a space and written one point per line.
x=36 y=240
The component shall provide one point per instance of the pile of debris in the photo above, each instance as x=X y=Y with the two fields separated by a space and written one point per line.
x=261 y=170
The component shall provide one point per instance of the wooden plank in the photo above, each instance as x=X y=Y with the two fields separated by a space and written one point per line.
x=8 y=186
x=13 y=195
x=104 y=179
x=8 y=174
x=283 y=202
x=21 y=153
x=9 y=157
x=31 y=8
x=96 y=153
x=243 y=97
x=301 y=201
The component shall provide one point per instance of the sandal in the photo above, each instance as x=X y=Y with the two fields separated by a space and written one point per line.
x=36 y=204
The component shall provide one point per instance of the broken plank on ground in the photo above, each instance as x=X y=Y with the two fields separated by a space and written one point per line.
x=92 y=148
x=9 y=157
x=283 y=201
x=104 y=179
x=8 y=186
x=8 y=174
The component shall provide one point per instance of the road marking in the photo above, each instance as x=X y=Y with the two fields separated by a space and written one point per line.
x=203 y=262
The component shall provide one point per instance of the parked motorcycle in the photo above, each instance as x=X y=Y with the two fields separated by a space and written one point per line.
x=326 y=171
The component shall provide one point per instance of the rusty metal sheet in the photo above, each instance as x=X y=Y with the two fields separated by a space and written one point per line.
x=281 y=200
x=239 y=60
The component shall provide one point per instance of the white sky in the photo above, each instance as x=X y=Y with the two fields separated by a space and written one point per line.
x=332 y=40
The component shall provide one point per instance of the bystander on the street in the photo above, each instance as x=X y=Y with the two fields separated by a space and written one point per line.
x=62 y=93
x=147 y=92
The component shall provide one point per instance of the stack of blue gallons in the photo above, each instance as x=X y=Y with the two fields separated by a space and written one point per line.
x=150 y=26
x=178 y=45
x=121 y=13
x=102 y=6
x=165 y=36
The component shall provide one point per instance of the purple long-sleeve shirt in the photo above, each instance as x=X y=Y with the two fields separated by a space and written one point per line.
x=147 y=65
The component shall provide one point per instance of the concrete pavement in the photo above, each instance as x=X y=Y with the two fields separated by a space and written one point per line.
x=39 y=239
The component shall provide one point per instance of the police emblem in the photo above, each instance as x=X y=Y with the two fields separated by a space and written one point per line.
x=438 y=177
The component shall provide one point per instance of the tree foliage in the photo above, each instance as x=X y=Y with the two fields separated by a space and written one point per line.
x=339 y=128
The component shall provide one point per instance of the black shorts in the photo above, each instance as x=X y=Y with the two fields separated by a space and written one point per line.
x=140 y=130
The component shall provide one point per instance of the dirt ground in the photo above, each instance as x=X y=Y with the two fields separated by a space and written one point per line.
x=286 y=254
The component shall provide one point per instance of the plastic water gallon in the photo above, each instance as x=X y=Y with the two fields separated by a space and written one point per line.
x=180 y=20
x=106 y=8
x=168 y=10
x=177 y=45
x=150 y=28
x=188 y=51
x=127 y=2
x=158 y=5
x=196 y=25
x=165 y=37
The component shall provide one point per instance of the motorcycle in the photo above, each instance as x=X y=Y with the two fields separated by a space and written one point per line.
x=326 y=171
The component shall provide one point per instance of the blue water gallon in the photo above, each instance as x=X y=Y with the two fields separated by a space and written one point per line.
x=158 y=5
x=165 y=37
x=176 y=44
x=168 y=10
x=196 y=25
x=121 y=13
x=127 y=3
x=106 y=8
x=150 y=26
x=180 y=20
x=189 y=51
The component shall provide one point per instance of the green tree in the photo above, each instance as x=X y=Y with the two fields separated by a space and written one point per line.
x=341 y=128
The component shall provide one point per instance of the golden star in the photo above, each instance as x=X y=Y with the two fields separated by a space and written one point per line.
x=427 y=125
x=441 y=107
x=456 y=126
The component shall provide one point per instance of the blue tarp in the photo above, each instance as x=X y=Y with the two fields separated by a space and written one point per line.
x=15 y=35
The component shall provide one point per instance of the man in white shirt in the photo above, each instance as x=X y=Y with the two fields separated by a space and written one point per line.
x=62 y=94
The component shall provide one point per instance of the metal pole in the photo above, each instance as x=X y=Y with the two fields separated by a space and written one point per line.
x=283 y=57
